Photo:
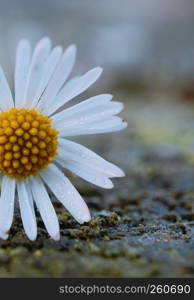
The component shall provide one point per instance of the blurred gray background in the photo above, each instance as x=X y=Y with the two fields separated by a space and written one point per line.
x=151 y=41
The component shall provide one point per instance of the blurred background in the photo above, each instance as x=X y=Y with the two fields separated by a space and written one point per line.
x=145 y=226
x=145 y=47
x=147 y=40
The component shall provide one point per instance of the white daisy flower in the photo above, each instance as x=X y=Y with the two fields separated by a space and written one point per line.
x=33 y=144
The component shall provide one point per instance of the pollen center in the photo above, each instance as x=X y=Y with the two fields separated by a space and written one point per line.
x=28 y=142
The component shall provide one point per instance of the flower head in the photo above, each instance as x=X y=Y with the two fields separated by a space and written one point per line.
x=33 y=132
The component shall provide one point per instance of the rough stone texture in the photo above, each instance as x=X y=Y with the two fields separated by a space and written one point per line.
x=143 y=227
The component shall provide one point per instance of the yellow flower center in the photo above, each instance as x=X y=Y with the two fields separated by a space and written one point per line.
x=28 y=142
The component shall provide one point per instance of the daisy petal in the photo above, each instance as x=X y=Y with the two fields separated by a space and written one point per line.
x=7 y=203
x=6 y=99
x=30 y=198
x=66 y=193
x=49 y=68
x=86 y=173
x=111 y=125
x=90 y=104
x=59 y=77
x=35 y=72
x=45 y=207
x=23 y=58
x=82 y=115
x=3 y=235
x=75 y=87
x=82 y=156
x=27 y=210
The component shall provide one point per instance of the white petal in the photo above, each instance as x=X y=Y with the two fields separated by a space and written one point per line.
x=84 y=117
x=3 y=235
x=59 y=77
x=75 y=87
x=30 y=198
x=49 y=68
x=23 y=58
x=88 y=105
x=45 y=207
x=66 y=193
x=6 y=99
x=36 y=69
x=7 y=203
x=86 y=173
x=68 y=88
x=27 y=210
x=80 y=156
x=111 y=125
